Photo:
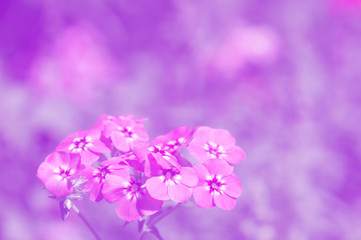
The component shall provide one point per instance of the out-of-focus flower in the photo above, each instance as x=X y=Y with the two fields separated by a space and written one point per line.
x=218 y=185
x=132 y=196
x=208 y=143
x=85 y=143
x=173 y=140
x=57 y=171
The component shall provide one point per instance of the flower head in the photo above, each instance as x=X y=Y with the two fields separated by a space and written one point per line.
x=57 y=171
x=208 y=143
x=217 y=186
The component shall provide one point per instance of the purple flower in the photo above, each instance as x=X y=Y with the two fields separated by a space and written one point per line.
x=57 y=171
x=133 y=198
x=98 y=176
x=173 y=140
x=208 y=143
x=172 y=183
x=217 y=186
x=87 y=144
x=124 y=133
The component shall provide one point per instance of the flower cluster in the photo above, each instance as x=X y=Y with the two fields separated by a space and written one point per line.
x=122 y=166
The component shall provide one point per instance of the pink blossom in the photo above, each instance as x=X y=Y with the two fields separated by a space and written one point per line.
x=124 y=132
x=208 y=143
x=105 y=119
x=173 y=140
x=56 y=172
x=217 y=186
x=98 y=176
x=133 y=198
x=172 y=183
x=88 y=144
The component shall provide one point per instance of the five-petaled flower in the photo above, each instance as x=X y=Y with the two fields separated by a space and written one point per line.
x=56 y=172
x=87 y=144
x=133 y=198
x=218 y=185
x=208 y=143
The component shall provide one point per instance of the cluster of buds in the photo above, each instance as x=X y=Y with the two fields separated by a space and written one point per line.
x=116 y=161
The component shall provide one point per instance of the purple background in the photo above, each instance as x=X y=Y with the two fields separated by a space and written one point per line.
x=282 y=76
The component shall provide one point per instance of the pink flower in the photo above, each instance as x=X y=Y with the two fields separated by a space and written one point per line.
x=133 y=198
x=125 y=132
x=105 y=119
x=208 y=143
x=98 y=176
x=173 y=140
x=87 y=144
x=57 y=171
x=217 y=186
x=172 y=183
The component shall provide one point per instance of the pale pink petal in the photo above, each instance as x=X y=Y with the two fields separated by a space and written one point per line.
x=218 y=167
x=58 y=186
x=188 y=176
x=157 y=188
x=233 y=186
x=88 y=157
x=225 y=202
x=99 y=147
x=45 y=171
x=203 y=197
x=148 y=205
x=109 y=128
x=55 y=159
x=179 y=192
x=119 y=141
x=95 y=193
x=151 y=167
x=127 y=209
x=196 y=149
x=223 y=138
x=72 y=160
x=141 y=133
x=235 y=155
x=202 y=172
x=113 y=188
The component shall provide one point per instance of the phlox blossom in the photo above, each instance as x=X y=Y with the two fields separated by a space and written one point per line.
x=218 y=185
x=57 y=171
x=97 y=176
x=124 y=133
x=173 y=140
x=88 y=144
x=132 y=196
x=208 y=143
x=169 y=182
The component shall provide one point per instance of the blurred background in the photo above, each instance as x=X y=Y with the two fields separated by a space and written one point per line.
x=282 y=76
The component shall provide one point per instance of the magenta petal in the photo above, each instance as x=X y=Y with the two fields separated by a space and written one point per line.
x=148 y=205
x=88 y=157
x=218 y=167
x=120 y=142
x=223 y=138
x=188 y=177
x=225 y=202
x=235 y=155
x=179 y=192
x=58 y=186
x=157 y=188
x=233 y=186
x=95 y=193
x=203 y=197
x=127 y=209
x=141 y=133
x=45 y=171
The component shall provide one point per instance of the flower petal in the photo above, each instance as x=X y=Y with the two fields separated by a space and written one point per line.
x=179 y=192
x=127 y=209
x=88 y=157
x=233 y=186
x=58 y=186
x=218 y=167
x=119 y=141
x=148 y=205
x=223 y=138
x=113 y=187
x=157 y=188
x=235 y=155
x=188 y=176
x=203 y=197
x=225 y=202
